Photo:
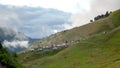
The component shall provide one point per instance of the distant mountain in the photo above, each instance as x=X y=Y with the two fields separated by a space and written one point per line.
x=11 y=34
x=14 y=40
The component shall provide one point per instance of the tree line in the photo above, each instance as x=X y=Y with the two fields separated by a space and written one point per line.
x=101 y=16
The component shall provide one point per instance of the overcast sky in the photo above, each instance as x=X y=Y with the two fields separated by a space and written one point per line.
x=40 y=18
x=72 y=6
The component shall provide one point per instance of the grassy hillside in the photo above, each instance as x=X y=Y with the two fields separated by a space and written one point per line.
x=97 y=50
x=82 y=32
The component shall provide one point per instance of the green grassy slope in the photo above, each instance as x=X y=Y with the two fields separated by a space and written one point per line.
x=103 y=53
x=99 y=50
x=82 y=32
x=115 y=17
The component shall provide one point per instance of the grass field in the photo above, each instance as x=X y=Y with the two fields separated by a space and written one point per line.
x=98 y=50
x=95 y=52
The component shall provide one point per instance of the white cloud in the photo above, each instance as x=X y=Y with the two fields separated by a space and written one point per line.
x=15 y=44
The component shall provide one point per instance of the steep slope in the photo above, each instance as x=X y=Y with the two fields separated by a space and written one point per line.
x=82 y=32
x=100 y=50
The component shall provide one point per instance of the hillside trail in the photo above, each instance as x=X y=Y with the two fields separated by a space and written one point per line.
x=115 y=29
x=110 y=23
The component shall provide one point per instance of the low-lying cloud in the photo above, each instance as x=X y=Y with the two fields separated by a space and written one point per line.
x=15 y=44
x=11 y=34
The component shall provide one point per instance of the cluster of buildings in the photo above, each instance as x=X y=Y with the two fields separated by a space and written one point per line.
x=52 y=47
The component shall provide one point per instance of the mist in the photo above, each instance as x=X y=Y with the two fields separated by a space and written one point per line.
x=16 y=43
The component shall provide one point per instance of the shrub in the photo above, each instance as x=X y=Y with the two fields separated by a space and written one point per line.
x=7 y=60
